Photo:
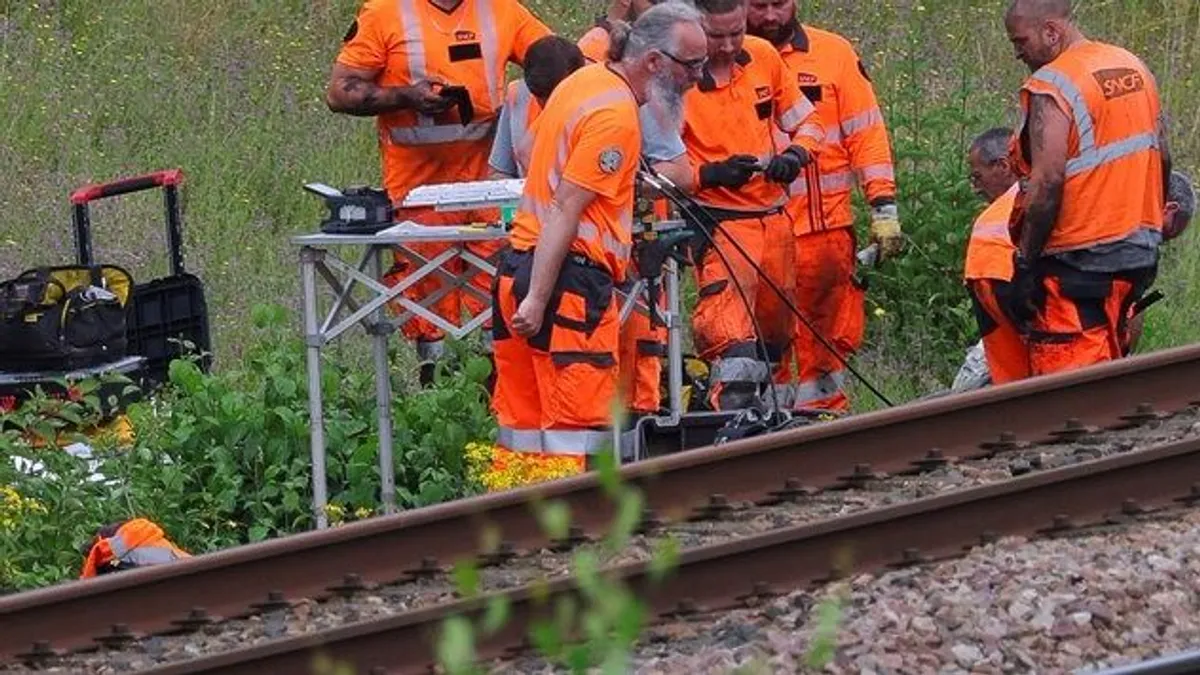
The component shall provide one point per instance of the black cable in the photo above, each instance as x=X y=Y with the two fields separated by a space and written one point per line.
x=681 y=196
x=759 y=341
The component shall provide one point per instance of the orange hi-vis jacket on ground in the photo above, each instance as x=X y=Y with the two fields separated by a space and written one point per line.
x=554 y=391
x=136 y=543
x=1113 y=190
x=856 y=149
x=414 y=40
x=739 y=117
x=744 y=116
x=987 y=271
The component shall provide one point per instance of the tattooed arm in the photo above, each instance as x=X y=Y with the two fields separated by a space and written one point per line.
x=353 y=91
x=1049 y=128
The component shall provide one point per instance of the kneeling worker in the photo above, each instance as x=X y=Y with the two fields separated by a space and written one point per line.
x=988 y=270
x=556 y=319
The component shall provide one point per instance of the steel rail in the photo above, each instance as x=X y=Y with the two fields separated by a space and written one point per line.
x=1184 y=663
x=734 y=574
x=389 y=548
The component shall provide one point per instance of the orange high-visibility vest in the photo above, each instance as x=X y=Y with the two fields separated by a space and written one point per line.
x=407 y=41
x=137 y=542
x=990 y=248
x=1113 y=189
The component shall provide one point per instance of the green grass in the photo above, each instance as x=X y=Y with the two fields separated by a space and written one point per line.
x=232 y=93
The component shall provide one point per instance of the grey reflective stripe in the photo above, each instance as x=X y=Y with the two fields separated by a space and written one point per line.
x=575 y=442
x=1086 y=161
x=414 y=43
x=740 y=369
x=813 y=131
x=149 y=555
x=989 y=231
x=492 y=65
x=445 y=133
x=839 y=181
x=554 y=441
x=589 y=230
x=861 y=121
x=142 y=555
x=1142 y=235
x=485 y=341
x=791 y=118
x=432 y=350
x=877 y=172
x=519 y=440
x=814 y=390
x=1079 y=109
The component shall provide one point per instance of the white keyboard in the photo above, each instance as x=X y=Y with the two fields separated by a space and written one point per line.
x=468 y=195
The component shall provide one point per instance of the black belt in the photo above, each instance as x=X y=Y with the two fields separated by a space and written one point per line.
x=575 y=258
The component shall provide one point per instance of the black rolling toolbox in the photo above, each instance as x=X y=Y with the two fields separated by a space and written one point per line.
x=165 y=313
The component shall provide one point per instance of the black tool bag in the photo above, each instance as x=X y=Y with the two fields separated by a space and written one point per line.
x=63 y=318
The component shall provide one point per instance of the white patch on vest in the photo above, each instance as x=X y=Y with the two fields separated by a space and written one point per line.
x=610 y=160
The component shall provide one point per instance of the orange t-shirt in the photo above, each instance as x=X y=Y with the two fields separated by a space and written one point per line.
x=587 y=134
x=743 y=116
x=407 y=41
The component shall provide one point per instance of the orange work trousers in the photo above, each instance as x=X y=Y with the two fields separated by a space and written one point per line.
x=1003 y=344
x=452 y=301
x=554 y=391
x=723 y=325
x=640 y=360
x=832 y=301
x=1082 y=317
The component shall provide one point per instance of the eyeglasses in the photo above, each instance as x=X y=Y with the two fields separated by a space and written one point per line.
x=696 y=65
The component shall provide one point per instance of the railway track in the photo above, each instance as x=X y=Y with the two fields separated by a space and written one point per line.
x=387 y=550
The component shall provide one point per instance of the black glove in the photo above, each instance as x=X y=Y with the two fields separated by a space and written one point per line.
x=733 y=172
x=1026 y=292
x=785 y=166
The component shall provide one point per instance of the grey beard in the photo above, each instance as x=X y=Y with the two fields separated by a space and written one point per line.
x=666 y=102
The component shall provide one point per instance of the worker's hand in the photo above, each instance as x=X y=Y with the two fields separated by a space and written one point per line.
x=527 y=320
x=885 y=230
x=733 y=172
x=423 y=98
x=785 y=166
x=1027 y=293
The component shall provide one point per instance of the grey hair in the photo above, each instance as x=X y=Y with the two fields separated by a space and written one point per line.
x=653 y=30
x=992 y=145
x=1180 y=191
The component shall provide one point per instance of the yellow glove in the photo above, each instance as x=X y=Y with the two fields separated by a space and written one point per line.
x=885 y=230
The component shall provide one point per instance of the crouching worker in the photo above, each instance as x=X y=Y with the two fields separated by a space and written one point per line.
x=556 y=318
x=124 y=546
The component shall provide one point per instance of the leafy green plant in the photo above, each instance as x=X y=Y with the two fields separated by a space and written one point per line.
x=595 y=628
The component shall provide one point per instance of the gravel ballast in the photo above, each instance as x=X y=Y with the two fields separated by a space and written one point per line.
x=1016 y=606
x=306 y=616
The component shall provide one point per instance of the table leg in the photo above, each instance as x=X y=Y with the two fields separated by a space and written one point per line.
x=316 y=418
x=380 y=329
